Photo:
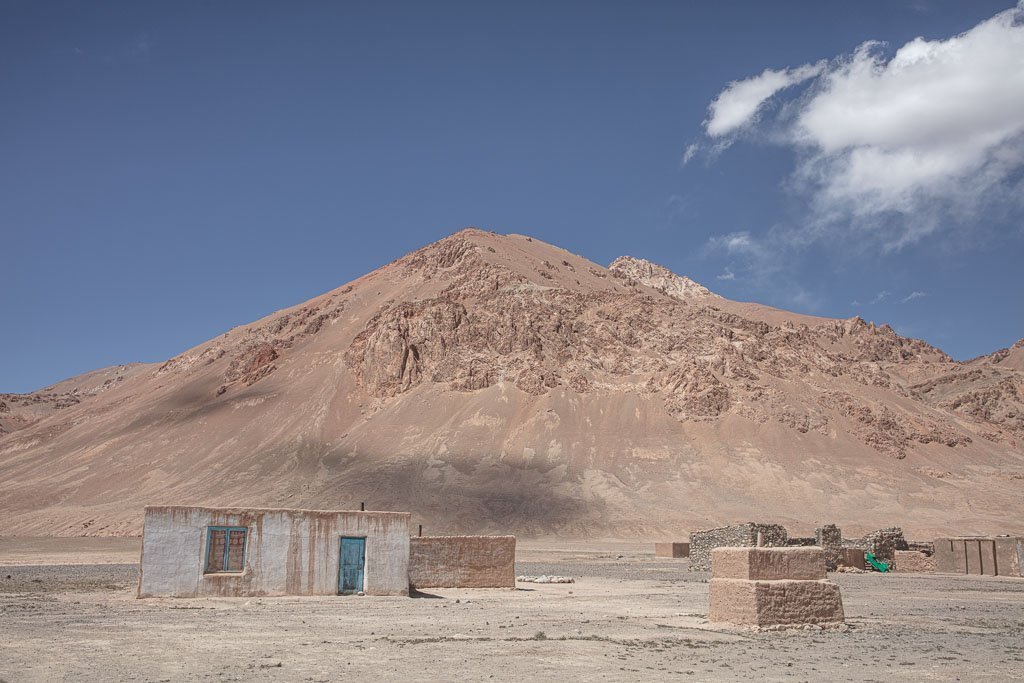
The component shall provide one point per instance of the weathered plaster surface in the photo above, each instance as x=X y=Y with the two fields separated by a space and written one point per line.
x=288 y=552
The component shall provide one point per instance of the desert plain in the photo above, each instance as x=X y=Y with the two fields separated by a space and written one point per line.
x=68 y=611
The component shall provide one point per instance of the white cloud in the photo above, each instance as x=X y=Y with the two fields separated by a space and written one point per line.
x=735 y=243
x=737 y=106
x=912 y=296
x=880 y=297
x=726 y=275
x=898 y=147
x=690 y=152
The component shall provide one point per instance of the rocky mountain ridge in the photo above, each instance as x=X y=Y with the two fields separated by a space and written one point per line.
x=491 y=382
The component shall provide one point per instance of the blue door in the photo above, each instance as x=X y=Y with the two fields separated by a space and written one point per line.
x=350 y=572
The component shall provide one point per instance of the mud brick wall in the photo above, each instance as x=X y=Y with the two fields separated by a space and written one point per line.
x=672 y=549
x=772 y=586
x=737 y=536
x=994 y=556
x=852 y=557
x=462 y=562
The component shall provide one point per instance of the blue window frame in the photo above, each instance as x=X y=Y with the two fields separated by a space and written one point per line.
x=225 y=549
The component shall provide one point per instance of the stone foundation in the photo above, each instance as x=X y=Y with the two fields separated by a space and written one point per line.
x=772 y=587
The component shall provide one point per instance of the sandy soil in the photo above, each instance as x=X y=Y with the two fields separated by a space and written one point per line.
x=24 y=550
x=628 y=616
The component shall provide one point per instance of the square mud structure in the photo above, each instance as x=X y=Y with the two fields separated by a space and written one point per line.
x=243 y=552
x=462 y=562
x=772 y=587
x=675 y=550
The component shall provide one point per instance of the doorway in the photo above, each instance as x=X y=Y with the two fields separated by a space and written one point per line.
x=352 y=562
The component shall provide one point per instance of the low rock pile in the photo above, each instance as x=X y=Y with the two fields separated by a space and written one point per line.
x=544 y=578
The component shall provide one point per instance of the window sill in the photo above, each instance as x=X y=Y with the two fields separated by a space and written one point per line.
x=223 y=575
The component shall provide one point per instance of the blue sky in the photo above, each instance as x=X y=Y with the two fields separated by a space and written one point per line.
x=170 y=170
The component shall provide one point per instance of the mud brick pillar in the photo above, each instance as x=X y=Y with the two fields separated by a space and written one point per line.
x=772 y=586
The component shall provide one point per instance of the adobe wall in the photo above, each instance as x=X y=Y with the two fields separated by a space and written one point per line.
x=1010 y=555
x=674 y=550
x=736 y=536
x=990 y=556
x=462 y=562
x=288 y=552
x=852 y=557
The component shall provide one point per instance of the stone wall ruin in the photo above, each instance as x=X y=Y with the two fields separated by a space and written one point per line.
x=736 y=536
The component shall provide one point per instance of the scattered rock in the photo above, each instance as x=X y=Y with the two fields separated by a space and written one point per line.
x=545 y=579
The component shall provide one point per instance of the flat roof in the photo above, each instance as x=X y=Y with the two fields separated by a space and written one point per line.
x=243 y=510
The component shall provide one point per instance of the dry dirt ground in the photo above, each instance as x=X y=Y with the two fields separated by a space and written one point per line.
x=629 y=616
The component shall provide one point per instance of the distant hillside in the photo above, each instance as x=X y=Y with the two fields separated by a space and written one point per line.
x=498 y=383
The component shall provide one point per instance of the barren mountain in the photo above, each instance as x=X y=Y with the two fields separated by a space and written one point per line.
x=497 y=383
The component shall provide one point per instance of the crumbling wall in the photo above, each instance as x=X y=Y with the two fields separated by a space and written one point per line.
x=883 y=543
x=913 y=561
x=736 y=536
x=800 y=541
x=926 y=547
x=462 y=562
x=830 y=539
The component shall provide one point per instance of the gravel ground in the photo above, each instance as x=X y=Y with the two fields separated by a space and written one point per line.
x=620 y=570
x=625 y=618
x=68 y=578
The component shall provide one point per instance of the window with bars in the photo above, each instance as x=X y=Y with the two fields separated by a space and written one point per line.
x=225 y=549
